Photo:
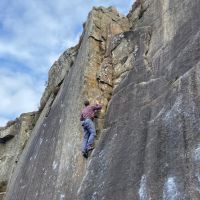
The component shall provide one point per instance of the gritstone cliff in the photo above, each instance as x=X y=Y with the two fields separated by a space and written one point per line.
x=145 y=69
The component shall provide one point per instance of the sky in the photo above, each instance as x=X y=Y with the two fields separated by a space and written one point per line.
x=33 y=34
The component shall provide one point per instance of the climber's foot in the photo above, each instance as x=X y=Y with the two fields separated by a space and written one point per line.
x=85 y=154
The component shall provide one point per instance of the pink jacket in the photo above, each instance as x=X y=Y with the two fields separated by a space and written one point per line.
x=89 y=111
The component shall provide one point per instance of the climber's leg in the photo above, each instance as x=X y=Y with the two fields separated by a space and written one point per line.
x=85 y=138
x=92 y=134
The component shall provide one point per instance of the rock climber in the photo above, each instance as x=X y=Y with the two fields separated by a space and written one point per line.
x=89 y=132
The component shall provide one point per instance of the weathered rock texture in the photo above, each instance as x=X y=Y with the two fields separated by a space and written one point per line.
x=150 y=148
x=13 y=139
x=146 y=68
x=57 y=73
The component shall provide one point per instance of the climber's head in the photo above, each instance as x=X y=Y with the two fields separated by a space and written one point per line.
x=86 y=103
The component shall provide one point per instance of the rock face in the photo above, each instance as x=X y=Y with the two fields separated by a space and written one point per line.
x=57 y=73
x=13 y=139
x=150 y=148
x=145 y=70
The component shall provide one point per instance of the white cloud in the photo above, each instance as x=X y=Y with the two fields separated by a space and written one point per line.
x=35 y=33
x=19 y=93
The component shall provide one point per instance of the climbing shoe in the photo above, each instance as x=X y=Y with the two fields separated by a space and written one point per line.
x=85 y=154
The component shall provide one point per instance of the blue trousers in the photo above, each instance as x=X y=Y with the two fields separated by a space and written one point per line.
x=89 y=133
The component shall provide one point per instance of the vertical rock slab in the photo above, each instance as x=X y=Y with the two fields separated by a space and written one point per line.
x=150 y=146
